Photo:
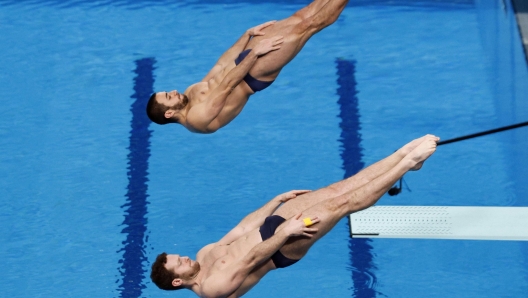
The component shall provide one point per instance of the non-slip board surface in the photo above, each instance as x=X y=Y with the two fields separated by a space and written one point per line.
x=441 y=222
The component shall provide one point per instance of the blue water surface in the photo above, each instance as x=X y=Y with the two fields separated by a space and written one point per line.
x=92 y=192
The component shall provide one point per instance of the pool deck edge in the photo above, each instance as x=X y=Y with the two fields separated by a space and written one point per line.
x=521 y=12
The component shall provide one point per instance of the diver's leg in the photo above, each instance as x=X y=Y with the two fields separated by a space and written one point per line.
x=296 y=30
x=331 y=211
x=303 y=202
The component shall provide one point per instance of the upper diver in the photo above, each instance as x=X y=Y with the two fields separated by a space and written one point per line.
x=250 y=65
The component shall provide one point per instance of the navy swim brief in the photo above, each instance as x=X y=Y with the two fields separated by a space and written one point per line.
x=266 y=231
x=253 y=83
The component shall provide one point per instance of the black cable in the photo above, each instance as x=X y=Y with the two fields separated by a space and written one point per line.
x=487 y=132
x=395 y=190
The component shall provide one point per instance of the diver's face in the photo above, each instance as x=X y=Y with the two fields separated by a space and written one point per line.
x=184 y=267
x=173 y=99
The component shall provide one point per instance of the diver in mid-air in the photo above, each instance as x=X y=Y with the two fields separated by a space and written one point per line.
x=250 y=65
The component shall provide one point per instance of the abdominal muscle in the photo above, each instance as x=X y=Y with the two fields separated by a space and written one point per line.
x=238 y=250
x=243 y=246
x=234 y=104
x=235 y=101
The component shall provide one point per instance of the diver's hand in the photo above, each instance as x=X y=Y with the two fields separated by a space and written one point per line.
x=269 y=44
x=257 y=30
x=292 y=194
x=297 y=227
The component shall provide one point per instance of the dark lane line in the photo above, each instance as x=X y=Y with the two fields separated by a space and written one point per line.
x=361 y=258
x=135 y=209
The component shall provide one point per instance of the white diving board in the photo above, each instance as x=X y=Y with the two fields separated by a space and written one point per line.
x=441 y=222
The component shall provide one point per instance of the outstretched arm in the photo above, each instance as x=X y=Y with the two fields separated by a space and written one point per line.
x=233 y=52
x=231 y=278
x=202 y=117
x=257 y=217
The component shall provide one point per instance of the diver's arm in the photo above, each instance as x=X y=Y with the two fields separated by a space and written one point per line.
x=251 y=221
x=230 y=278
x=295 y=226
x=256 y=218
x=232 y=53
x=229 y=55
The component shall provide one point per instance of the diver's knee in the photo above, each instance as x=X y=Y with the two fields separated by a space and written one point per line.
x=300 y=16
x=337 y=204
x=306 y=26
x=333 y=191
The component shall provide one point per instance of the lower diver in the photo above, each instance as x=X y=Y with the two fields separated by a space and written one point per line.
x=277 y=236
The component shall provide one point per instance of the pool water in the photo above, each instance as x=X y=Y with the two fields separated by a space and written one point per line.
x=91 y=192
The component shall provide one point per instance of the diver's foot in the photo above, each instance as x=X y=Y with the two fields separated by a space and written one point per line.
x=422 y=152
x=407 y=148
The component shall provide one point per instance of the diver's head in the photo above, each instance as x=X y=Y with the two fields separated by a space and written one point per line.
x=167 y=107
x=174 y=272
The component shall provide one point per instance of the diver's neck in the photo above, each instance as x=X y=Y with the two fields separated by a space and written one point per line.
x=196 y=282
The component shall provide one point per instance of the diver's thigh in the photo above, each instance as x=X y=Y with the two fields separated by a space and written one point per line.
x=305 y=201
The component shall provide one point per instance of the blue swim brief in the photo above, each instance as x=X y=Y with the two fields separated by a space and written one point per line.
x=253 y=83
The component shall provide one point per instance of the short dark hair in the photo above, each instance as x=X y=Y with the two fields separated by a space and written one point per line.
x=156 y=111
x=161 y=276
